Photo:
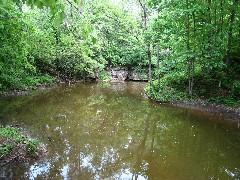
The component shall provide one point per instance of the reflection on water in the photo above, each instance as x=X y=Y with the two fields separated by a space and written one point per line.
x=109 y=131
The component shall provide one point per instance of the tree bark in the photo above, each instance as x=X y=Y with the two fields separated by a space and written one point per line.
x=150 y=64
x=158 y=63
x=215 y=22
x=148 y=48
x=210 y=34
x=194 y=51
x=221 y=17
x=230 y=32
x=189 y=59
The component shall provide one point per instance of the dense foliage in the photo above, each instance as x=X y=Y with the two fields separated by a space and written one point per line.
x=197 y=44
x=190 y=48
x=34 y=50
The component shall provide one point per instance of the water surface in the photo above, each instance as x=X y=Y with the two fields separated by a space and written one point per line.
x=109 y=131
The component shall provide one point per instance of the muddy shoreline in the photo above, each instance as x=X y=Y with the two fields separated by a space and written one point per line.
x=230 y=113
x=28 y=90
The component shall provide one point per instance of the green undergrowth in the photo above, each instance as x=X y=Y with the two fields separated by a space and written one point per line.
x=225 y=90
x=104 y=76
x=174 y=87
x=8 y=83
x=13 y=142
x=165 y=93
x=226 y=100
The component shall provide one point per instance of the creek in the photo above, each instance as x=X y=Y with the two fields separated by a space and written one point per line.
x=110 y=131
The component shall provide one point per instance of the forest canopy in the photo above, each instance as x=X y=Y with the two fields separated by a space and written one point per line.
x=188 y=48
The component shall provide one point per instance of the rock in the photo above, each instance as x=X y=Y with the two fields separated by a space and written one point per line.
x=122 y=74
x=118 y=74
x=137 y=76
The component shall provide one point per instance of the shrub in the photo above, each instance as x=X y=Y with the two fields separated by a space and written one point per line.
x=236 y=89
x=164 y=93
x=103 y=75
x=11 y=137
x=32 y=146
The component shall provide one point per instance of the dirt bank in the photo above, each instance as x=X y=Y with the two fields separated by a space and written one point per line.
x=40 y=87
x=230 y=113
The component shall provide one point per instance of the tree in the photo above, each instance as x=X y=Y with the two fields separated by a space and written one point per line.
x=148 y=46
x=14 y=46
x=197 y=33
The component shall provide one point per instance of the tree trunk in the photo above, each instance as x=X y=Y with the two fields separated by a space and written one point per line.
x=210 y=33
x=148 y=49
x=209 y=12
x=189 y=59
x=230 y=32
x=149 y=53
x=194 y=51
x=221 y=16
x=215 y=22
x=158 y=63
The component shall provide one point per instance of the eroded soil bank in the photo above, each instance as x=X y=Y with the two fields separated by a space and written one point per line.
x=230 y=113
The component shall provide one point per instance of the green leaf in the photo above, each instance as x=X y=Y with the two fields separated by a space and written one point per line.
x=94 y=40
x=57 y=21
x=39 y=4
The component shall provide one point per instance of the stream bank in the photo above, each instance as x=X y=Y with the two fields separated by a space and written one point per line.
x=229 y=113
x=232 y=114
x=17 y=147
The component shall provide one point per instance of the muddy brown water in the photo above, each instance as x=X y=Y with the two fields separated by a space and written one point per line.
x=109 y=131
